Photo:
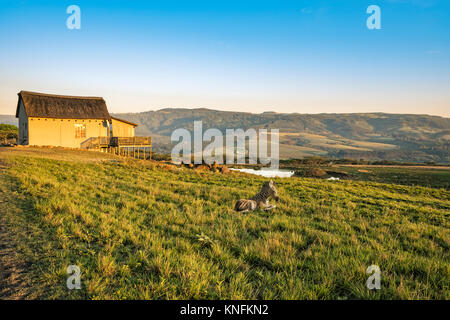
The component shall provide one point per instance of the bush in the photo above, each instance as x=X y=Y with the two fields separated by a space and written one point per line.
x=8 y=131
x=311 y=172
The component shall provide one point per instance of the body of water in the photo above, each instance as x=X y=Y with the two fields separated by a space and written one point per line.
x=268 y=173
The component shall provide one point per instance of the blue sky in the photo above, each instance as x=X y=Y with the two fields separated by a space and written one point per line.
x=286 y=56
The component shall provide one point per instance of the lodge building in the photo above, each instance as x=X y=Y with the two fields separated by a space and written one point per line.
x=72 y=121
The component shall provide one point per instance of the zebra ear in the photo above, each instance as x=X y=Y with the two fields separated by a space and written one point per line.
x=271 y=182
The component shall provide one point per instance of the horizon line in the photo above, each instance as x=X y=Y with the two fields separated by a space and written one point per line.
x=275 y=112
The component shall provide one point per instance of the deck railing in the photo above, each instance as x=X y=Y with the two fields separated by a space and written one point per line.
x=95 y=143
x=137 y=147
x=130 y=141
x=105 y=142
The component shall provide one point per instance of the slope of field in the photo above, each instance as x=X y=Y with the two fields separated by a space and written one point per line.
x=422 y=176
x=147 y=230
x=371 y=136
x=425 y=176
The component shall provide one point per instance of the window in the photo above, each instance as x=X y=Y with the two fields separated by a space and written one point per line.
x=80 y=130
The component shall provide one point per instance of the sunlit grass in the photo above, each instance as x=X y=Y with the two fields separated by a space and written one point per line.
x=135 y=231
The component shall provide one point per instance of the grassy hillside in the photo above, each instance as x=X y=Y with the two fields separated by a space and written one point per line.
x=372 y=136
x=426 y=176
x=144 y=230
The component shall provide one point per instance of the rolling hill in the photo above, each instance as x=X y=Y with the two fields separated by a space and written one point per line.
x=370 y=136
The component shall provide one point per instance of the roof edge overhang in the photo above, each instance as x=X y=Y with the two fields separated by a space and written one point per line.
x=125 y=121
x=18 y=104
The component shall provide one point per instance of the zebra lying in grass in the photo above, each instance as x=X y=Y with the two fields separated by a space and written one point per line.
x=260 y=201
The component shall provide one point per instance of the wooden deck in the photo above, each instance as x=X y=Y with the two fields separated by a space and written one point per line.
x=137 y=147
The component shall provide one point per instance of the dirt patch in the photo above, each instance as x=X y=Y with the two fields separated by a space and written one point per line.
x=13 y=285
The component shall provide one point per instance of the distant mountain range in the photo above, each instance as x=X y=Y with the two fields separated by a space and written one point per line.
x=7 y=119
x=371 y=136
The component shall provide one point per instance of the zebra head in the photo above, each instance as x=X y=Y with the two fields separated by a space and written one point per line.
x=270 y=188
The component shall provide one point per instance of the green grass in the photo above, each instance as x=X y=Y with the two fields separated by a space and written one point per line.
x=409 y=176
x=434 y=178
x=150 y=231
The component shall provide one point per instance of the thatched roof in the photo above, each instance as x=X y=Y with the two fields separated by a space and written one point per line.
x=125 y=121
x=42 y=105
